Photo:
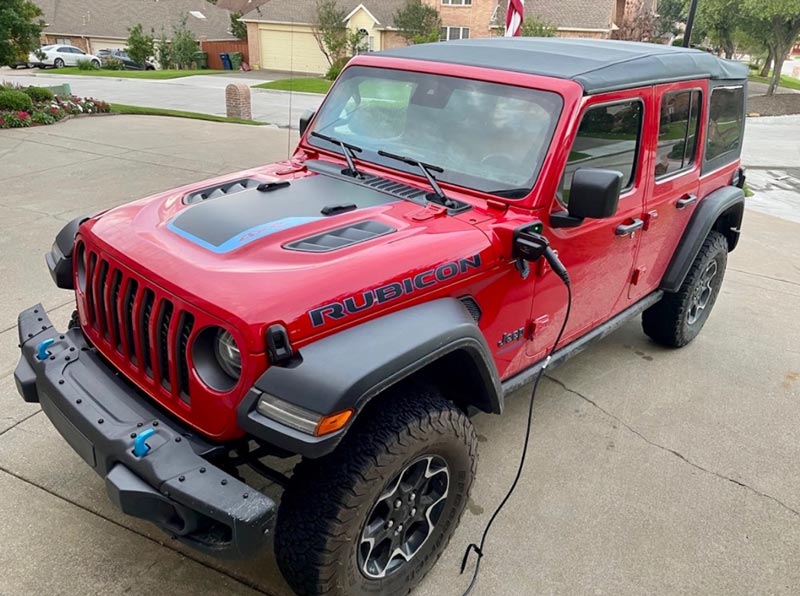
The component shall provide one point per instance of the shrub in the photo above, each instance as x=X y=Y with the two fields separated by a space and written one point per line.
x=336 y=68
x=39 y=94
x=11 y=99
x=43 y=118
x=113 y=63
x=84 y=64
x=19 y=119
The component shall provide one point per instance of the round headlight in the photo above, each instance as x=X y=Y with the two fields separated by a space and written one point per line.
x=227 y=353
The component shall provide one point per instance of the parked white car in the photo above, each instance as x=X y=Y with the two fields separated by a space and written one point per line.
x=60 y=56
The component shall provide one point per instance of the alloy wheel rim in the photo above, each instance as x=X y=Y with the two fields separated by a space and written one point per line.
x=702 y=294
x=404 y=517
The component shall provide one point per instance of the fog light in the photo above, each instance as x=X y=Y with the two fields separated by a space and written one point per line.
x=301 y=419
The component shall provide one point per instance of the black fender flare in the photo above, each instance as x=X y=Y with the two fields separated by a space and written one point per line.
x=722 y=210
x=59 y=259
x=349 y=368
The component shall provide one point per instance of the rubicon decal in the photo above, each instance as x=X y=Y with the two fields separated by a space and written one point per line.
x=386 y=293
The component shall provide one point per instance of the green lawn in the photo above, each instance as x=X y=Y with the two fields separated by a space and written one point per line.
x=133 y=74
x=788 y=82
x=119 y=108
x=305 y=85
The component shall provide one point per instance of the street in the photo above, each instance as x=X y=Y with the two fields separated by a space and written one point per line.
x=652 y=471
x=201 y=93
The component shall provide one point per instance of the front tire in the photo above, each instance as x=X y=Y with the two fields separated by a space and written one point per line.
x=677 y=318
x=374 y=516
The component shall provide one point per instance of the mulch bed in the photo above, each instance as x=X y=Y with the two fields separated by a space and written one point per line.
x=780 y=104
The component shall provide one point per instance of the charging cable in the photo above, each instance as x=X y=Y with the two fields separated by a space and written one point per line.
x=531 y=245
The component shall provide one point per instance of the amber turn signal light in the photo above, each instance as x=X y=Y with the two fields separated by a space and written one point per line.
x=332 y=422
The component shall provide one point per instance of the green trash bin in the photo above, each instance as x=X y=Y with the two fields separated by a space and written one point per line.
x=201 y=59
x=236 y=60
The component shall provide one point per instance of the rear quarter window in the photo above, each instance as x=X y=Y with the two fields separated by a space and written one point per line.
x=725 y=124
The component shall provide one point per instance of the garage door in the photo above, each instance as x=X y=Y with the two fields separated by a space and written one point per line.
x=295 y=51
x=107 y=44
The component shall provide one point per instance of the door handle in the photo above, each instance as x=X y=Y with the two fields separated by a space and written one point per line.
x=628 y=229
x=685 y=201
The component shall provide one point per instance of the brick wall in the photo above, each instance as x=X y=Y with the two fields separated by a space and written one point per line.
x=392 y=39
x=74 y=40
x=254 y=45
x=477 y=16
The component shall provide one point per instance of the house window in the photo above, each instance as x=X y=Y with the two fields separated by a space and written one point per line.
x=457 y=2
x=365 y=42
x=725 y=122
x=677 y=134
x=62 y=41
x=451 y=33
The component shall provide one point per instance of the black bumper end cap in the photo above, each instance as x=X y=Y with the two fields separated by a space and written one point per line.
x=25 y=379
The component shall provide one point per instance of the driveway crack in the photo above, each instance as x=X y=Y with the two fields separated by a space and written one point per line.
x=241 y=580
x=673 y=451
x=18 y=422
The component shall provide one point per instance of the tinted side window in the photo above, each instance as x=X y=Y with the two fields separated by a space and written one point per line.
x=677 y=133
x=725 y=121
x=607 y=138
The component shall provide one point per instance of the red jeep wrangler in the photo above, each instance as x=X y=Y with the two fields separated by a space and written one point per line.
x=355 y=304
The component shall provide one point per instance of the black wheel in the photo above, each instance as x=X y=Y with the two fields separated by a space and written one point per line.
x=677 y=318
x=74 y=321
x=95 y=63
x=375 y=515
x=58 y=63
x=15 y=66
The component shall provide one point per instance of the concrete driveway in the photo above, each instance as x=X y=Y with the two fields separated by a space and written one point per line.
x=652 y=471
x=202 y=93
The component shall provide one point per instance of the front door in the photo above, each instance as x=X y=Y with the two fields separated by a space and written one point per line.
x=599 y=254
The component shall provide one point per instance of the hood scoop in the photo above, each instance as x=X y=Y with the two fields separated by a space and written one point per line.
x=341 y=237
x=221 y=190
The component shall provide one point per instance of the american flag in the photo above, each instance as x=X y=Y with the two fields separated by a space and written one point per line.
x=514 y=17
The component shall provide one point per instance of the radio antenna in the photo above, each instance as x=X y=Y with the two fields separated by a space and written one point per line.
x=291 y=90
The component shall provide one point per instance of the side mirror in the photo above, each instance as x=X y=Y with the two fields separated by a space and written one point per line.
x=305 y=120
x=594 y=193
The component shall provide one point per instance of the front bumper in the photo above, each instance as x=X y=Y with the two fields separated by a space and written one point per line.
x=101 y=416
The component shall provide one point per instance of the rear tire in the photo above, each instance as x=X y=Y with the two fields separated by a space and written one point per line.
x=58 y=63
x=374 y=516
x=678 y=317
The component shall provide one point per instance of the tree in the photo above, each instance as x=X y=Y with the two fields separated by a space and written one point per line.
x=638 y=23
x=238 y=28
x=20 y=28
x=184 y=45
x=163 y=51
x=536 y=27
x=140 y=46
x=670 y=13
x=330 y=30
x=780 y=21
x=418 y=22
x=721 y=20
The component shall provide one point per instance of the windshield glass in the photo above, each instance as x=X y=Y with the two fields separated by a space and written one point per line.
x=486 y=136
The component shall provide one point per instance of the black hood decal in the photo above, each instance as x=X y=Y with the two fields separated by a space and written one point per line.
x=229 y=222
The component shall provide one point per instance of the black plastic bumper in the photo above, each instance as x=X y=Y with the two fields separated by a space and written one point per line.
x=101 y=416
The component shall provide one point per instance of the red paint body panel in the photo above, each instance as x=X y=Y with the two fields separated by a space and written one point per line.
x=260 y=284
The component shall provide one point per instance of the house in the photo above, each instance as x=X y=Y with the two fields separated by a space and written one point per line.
x=94 y=25
x=279 y=32
x=571 y=18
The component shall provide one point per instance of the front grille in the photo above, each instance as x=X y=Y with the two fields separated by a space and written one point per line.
x=138 y=325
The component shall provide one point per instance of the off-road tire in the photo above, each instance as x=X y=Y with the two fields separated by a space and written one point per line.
x=670 y=322
x=326 y=506
x=74 y=321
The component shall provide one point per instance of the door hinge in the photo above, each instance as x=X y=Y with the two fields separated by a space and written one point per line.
x=650 y=219
x=637 y=275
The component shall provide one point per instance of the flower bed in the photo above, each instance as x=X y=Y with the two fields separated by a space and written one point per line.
x=46 y=110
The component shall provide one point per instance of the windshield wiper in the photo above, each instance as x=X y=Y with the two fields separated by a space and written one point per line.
x=426 y=170
x=349 y=152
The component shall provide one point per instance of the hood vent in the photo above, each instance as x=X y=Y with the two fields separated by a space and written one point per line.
x=341 y=237
x=221 y=190
x=393 y=188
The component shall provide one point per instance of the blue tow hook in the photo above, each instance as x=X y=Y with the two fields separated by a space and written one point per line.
x=140 y=448
x=41 y=350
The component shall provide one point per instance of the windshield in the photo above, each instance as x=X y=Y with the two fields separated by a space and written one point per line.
x=485 y=136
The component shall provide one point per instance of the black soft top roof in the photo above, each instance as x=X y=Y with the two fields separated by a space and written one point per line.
x=597 y=65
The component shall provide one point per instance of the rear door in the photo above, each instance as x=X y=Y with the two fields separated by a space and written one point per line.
x=674 y=179
x=599 y=253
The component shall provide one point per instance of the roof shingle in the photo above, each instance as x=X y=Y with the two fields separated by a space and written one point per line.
x=303 y=11
x=113 y=18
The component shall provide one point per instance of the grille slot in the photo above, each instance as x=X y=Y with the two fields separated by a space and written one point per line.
x=138 y=327
x=341 y=237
